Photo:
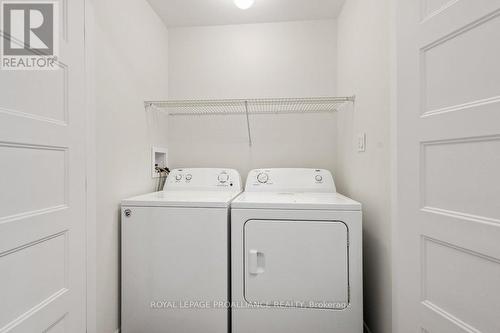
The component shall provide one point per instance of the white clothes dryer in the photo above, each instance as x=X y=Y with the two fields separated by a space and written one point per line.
x=296 y=255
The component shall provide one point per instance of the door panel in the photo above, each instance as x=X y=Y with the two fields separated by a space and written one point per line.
x=457 y=176
x=50 y=190
x=42 y=198
x=447 y=253
x=50 y=105
x=42 y=262
x=296 y=263
x=461 y=68
x=454 y=275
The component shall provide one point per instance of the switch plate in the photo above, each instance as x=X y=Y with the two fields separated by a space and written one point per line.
x=159 y=157
x=361 y=142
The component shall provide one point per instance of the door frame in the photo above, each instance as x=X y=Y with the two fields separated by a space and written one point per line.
x=394 y=212
x=91 y=170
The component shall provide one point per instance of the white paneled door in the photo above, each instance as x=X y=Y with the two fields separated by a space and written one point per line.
x=447 y=234
x=42 y=189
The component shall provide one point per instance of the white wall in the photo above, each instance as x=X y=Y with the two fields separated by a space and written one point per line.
x=130 y=45
x=288 y=59
x=364 y=69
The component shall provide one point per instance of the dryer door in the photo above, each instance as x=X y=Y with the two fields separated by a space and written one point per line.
x=297 y=263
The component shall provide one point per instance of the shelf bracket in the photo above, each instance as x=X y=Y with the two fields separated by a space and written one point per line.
x=248 y=125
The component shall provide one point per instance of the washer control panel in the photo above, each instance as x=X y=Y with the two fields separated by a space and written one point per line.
x=290 y=180
x=209 y=179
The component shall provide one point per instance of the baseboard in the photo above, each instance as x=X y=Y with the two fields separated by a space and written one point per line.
x=367 y=329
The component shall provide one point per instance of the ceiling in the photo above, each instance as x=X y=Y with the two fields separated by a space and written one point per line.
x=178 y=13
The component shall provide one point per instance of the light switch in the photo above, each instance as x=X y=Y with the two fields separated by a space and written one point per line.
x=361 y=142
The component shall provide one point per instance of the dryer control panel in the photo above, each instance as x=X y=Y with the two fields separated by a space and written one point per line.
x=206 y=179
x=290 y=180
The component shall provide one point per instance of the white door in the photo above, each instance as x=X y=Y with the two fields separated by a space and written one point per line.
x=42 y=189
x=296 y=263
x=447 y=240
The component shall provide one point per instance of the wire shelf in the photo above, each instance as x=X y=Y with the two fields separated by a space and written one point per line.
x=209 y=107
x=249 y=106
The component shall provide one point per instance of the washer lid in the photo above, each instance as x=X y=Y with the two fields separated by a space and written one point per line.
x=195 y=199
x=295 y=200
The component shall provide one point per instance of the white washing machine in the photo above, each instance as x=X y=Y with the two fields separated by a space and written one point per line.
x=296 y=255
x=175 y=254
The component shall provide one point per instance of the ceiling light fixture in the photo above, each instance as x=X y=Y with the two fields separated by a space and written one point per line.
x=244 y=4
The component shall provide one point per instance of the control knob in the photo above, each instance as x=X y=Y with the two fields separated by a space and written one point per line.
x=223 y=177
x=262 y=177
